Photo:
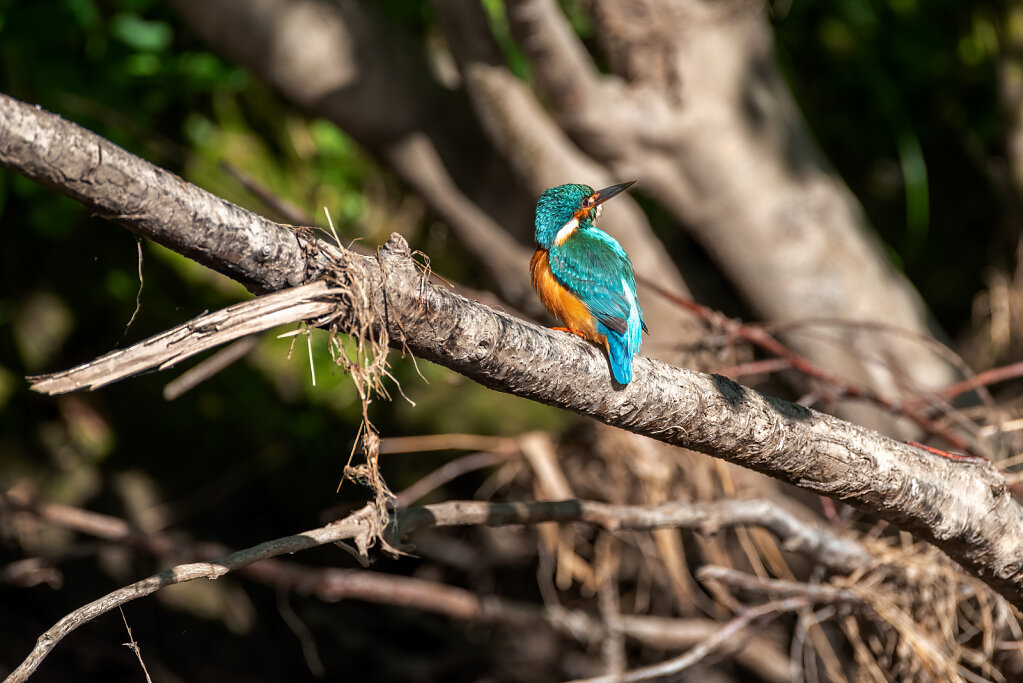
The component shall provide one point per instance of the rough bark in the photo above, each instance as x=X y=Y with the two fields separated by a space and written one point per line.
x=149 y=201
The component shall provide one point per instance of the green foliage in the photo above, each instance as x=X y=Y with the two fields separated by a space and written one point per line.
x=903 y=98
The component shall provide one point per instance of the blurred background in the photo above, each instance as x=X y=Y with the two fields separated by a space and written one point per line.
x=858 y=165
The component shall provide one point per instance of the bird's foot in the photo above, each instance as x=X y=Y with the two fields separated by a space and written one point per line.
x=565 y=329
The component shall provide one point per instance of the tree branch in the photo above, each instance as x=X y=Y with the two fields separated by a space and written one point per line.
x=359 y=523
x=728 y=634
x=149 y=201
x=966 y=510
x=310 y=302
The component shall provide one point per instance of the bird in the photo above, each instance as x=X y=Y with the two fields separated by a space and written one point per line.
x=584 y=277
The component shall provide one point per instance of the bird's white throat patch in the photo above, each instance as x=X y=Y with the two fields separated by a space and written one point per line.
x=566 y=232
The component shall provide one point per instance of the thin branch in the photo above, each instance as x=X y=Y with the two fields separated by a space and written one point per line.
x=444 y=442
x=983 y=379
x=814 y=541
x=448 y=472
x=279 y=205
x=360 y=523
x=760 y=337
x=816 y=593
x=307 y=302
x=134 y=647
x=726 y=635
x=817 y=542
x=220 y=360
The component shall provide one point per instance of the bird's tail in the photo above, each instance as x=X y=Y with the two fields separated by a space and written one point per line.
x=620 y=356
x=623 y=346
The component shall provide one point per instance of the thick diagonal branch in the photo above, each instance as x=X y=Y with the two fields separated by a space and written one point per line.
x=965 y=510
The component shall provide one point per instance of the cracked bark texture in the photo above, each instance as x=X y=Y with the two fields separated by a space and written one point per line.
x=149 y=201
x=966 y=510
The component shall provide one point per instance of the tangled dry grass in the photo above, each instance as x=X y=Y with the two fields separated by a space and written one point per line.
x=909 y=614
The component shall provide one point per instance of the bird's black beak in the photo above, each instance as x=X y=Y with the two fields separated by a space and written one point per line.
x=601 y=196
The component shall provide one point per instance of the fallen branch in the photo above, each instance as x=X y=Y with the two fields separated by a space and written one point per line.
x=360 y=524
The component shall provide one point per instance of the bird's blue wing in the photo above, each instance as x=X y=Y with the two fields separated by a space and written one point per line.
x=594 y=267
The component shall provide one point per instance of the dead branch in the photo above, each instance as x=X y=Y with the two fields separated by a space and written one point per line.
x=448 y=472
x=817 y=593
x=335 y=584
x=194 y=376
x=725 y=636
x=359 y=523
x=306 y=302
x=817 y=542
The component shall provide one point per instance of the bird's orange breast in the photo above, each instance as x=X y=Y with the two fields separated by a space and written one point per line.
x=561 y=302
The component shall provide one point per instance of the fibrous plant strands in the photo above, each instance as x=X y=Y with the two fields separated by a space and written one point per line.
x=359 y=344
x=909 y=615
x=943 y=622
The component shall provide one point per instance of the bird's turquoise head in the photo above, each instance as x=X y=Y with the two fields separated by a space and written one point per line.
x=563 y=209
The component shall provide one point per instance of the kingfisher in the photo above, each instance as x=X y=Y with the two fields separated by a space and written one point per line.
x=584 y=277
